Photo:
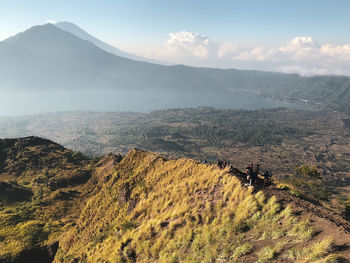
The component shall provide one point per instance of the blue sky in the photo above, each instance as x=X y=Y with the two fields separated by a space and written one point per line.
x=141 y=26
x=258 y=21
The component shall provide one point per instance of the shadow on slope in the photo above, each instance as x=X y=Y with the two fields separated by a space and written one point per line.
x=156 y=210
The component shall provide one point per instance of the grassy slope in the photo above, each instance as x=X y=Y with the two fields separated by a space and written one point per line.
x=157 y=210
x=278 y=139
x=146 y=209
x=58 y=181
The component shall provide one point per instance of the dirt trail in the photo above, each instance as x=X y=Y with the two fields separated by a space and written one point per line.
x=299 y=205
x=302 y=206
x=324 y=222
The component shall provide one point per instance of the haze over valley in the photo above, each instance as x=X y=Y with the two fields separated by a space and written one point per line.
x=47 y=69
x=174 y=131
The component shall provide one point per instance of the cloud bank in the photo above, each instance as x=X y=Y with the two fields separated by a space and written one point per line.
x=301 y=55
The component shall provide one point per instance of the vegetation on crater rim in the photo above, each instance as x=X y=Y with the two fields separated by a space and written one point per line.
x=146 y=208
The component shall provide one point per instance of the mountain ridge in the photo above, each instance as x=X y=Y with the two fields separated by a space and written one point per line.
x=75 y=30
x=147 y=208
x=48 y=58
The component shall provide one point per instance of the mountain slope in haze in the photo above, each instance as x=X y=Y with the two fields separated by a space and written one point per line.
x=48 y=58
x=146 y=208
x=75 y=30
x=45 y=57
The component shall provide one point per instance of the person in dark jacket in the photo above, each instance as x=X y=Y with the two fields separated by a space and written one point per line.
x=256 y=173
x=267 y=176
x=220 y=164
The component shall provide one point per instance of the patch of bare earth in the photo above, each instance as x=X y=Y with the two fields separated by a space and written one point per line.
x=324 y=222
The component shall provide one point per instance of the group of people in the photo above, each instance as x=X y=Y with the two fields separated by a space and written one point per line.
x=222 y=164
x=254 y=175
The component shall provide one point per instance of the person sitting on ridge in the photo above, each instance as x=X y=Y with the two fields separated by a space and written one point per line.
x=267 y=176
x=257 y=170
x=220 y=164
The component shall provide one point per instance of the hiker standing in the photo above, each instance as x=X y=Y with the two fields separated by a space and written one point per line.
x=247 y=176
x=250 y=174
x=256 y=173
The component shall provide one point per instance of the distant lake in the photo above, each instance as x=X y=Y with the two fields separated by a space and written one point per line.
x=23 y=103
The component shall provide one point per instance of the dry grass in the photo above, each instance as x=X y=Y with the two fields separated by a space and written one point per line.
x=148 y=209
x=186 y=212
x=313 y=252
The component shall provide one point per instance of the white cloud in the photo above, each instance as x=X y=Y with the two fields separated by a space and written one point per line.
x=50 y=21
x=227 y=49
x=342 y=52
x=256 y=54
x=301 y=55
x=300 y=43
x=190 y=43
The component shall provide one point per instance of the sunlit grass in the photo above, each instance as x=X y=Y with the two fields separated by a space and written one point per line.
x=313 y=252
x=154 y=210
x=188 y=212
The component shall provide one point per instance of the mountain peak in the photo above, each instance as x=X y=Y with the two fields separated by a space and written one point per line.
x=73 y=29
x=65 y=23
x=79 y=32
x=36 y=32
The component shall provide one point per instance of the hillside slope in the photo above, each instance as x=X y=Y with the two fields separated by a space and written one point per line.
x=75 y=30
x=146 y=208
x=47 y=58
x=158 y=210
x=42 y=188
